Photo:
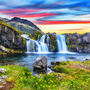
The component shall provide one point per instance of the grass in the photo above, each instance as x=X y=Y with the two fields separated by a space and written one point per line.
x=76 y=76
x=24 y=80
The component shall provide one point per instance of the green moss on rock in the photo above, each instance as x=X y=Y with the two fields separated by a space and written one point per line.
x=53 y=42
x=36 y=34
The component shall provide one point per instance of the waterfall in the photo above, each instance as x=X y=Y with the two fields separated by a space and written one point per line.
x=43 y=46
x=36 y=46
x=62 y=47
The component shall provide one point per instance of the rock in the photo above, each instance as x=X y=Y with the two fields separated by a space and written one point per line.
x=78 y=42
x=53 y=63
x=51 y=41
x=2 y=70
x=57 y=63
x=87 y=60
x=10 y=37
x=59 y=77
x=41 y=62
x=3 y=49
x=1 y=86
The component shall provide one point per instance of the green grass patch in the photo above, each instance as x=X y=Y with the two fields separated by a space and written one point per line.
x=76 y=75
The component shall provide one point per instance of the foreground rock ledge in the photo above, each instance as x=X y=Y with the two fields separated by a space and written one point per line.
x=40 y=63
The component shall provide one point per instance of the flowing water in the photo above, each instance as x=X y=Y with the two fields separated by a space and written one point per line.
x=41 y=46
x=62 y=47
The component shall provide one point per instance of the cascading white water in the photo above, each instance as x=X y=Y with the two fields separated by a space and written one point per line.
x=43 y=46
x=35 y=46
x=62 y=47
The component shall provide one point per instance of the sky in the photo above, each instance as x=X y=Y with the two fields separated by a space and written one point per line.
x=60 y=16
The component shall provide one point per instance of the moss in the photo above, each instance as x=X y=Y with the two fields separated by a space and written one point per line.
x=80 y=46
x=8 y=48
x=3 y=23
x=53 y=42
x=67 y=40
x=46 y=38
x=36 y=34
x=69 y=47
x=24 y=41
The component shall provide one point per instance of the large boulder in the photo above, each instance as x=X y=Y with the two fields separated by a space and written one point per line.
x=41 y=62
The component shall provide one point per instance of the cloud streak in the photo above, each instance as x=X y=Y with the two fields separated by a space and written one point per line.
x=41 y=22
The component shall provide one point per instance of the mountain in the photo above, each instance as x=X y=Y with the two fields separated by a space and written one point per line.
x=23 y=25
x=4 y=19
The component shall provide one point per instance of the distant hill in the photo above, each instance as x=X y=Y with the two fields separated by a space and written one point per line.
x=23 y=25
x=4 y=19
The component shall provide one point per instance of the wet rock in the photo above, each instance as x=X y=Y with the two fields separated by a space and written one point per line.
x=2 y=70
x=53 y=63
x=51 y=67
x=51 y=41
x=41 y=62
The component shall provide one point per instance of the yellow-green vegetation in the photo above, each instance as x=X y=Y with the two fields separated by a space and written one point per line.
x=24 y=80
x=69 y=47
x=67 y=40
x=53 y=42
x=3 y=23
x=35 y=35
x=76 y=75
x=24 y=41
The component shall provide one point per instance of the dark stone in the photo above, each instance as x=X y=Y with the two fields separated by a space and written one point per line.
x=78 y=42
x=57 y=63
x=41 y=62
x=59 y=77
x=51 y=41
x=87 y=59
x=53 y=63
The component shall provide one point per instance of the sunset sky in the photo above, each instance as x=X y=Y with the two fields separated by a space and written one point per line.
x=60 y=16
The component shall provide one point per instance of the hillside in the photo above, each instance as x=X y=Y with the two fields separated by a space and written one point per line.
x=23 y=25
